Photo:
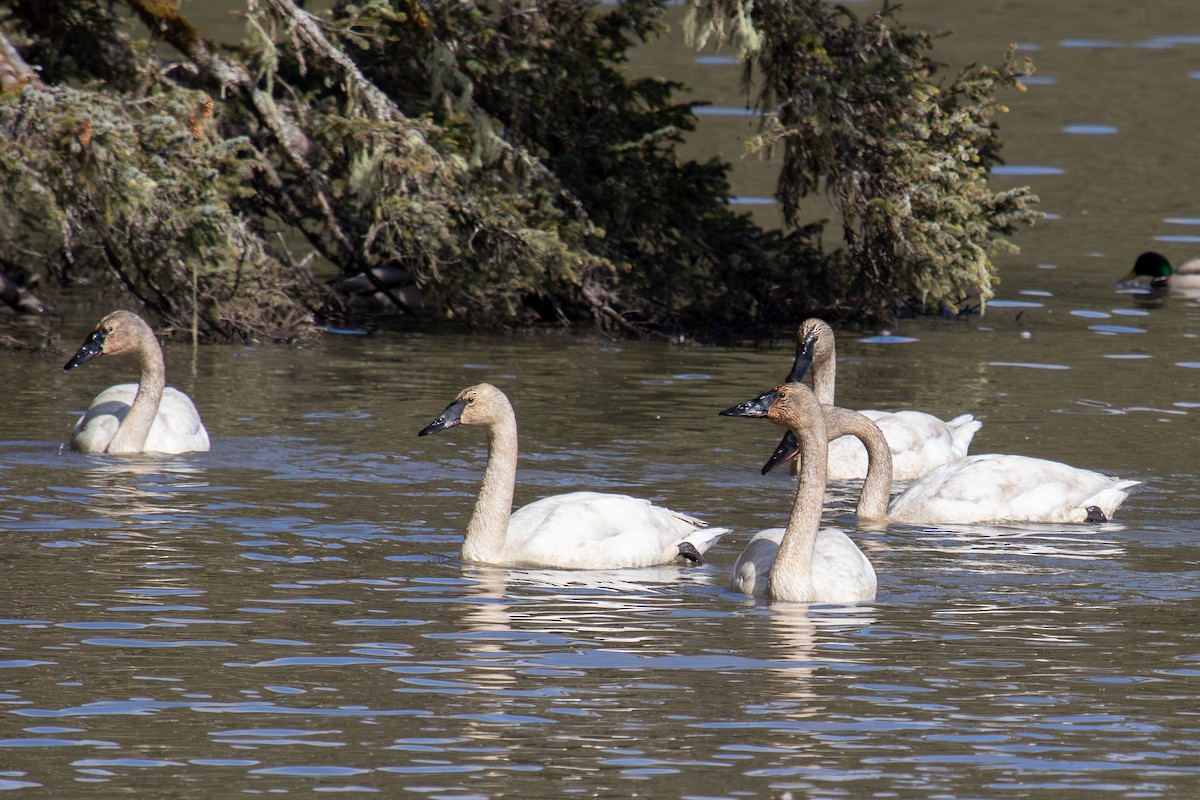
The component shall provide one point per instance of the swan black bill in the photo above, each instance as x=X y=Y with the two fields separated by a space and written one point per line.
x=787 y=450
x=757 y=407
x=804 y=359
x=93 y=346
x=450 y=417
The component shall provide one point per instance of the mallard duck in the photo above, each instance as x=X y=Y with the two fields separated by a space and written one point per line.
x=1185 y=280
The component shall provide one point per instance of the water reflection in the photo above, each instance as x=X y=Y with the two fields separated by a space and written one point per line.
x=1027 y=548
x=142 y=488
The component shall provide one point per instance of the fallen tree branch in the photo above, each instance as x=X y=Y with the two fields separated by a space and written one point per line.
x=165 y=18
x=14 y=71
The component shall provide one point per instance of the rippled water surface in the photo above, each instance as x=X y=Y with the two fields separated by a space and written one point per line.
x=288 y=614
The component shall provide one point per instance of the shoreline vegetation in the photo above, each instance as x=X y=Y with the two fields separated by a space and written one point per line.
x=494 y=165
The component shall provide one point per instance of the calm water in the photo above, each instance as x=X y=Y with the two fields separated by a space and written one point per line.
x=287 y=613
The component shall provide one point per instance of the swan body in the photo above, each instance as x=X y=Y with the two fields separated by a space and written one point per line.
x=919 y=441
x=1010 y=488
x=801 y=563
x=578 y=530
x=176 y=427
x=1184 y=280
x=841 y=573
x=989 y=488
x=142 y=417
x=969 y=489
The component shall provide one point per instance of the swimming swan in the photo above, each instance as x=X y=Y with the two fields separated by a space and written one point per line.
x=990 y=488
x=1008 y=488
x=1185 y=280
x=919 y=441
x=579 y=530
x=142 y=417
x=801 y=564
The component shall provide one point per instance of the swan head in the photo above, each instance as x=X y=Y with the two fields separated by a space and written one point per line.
x=482 y=404
x=788 y=404
x=814 y=341
x=1150 y=265
x=755 y=407
x=811 y=332
x=119 y=332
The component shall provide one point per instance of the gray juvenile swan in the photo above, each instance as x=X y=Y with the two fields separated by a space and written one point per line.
x=143 y=417
x=578 y=530
x=801 y=563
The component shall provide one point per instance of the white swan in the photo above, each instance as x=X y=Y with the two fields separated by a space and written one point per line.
x=1008 y=488
x=142 y=417
x=801 y=563
x=1184 y=280
x=919 y=441
x=990 y=488
x=579 y=530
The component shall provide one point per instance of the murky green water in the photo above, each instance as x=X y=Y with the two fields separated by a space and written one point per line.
x=287 y=614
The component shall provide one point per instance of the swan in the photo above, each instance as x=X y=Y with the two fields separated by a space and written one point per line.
x=801 y=563
x=1184 y=280
x=919 y=441
x=988 y=488
x=142 y=417
x=578 y=530
x=995 y=488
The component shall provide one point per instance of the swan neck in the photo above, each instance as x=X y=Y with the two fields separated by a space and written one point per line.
x=877 y=487
x=824 y=373
x=488 y=528
x=133 y=431
x=791 y=578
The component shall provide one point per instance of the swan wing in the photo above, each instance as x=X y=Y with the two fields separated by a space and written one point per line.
x=840 y=571
x=177 y=427
x=95 y=429
x=591 y=530
x=919 y=443
x=1007 y=488
x=749 y=576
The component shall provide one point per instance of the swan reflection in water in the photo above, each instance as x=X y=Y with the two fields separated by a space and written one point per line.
x=144 y=487
x=527 y=633
x=1072 y=543
x=522 y=623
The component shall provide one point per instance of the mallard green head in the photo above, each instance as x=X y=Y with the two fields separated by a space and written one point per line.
x=1152 y=266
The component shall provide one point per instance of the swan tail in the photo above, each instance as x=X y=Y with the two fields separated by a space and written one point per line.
x=1101 y=506
x=964 y=428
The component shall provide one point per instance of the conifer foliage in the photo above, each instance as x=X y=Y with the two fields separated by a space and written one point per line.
x=859 y=112
x=499 y=157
